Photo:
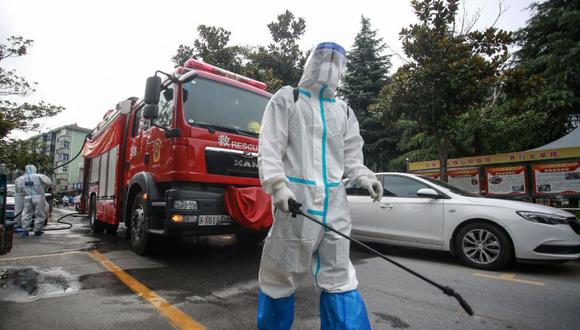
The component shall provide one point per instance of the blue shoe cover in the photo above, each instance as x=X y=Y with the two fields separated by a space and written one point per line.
x=343 y=311
x=275 y=314
x=38 y=233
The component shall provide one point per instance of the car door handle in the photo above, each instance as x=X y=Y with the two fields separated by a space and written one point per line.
x=386 y=205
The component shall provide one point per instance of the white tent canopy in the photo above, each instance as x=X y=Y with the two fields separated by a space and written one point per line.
x=569 y=140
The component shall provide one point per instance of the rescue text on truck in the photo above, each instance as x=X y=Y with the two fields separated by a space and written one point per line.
x=162 y=165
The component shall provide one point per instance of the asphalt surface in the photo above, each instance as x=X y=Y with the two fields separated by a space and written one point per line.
x=72 y=279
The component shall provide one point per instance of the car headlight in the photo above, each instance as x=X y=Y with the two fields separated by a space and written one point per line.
x=185 y=205
x=545 y=218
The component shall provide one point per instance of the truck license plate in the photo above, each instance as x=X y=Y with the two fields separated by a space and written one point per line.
x=214 y=220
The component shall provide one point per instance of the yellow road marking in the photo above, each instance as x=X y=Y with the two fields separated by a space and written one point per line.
x=509 y=277
x=174 y=315
x=43 y=255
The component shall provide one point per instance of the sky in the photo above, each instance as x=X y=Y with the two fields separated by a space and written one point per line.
x=88 y=56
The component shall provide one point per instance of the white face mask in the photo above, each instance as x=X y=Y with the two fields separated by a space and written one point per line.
x=324 y=66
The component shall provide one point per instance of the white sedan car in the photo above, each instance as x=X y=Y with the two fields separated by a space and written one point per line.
x=485 y=233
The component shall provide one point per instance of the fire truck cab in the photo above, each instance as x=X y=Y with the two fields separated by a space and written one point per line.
x=161 y=164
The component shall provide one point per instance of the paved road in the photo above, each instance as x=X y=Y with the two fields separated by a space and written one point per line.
x=72 y=279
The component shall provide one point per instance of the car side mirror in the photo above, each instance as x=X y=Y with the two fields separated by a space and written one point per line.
x=428 y=192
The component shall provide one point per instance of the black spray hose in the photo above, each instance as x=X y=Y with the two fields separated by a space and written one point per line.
x=294 y=207
x=76 y=215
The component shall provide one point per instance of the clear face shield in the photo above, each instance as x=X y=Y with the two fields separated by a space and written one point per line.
x=325 y=65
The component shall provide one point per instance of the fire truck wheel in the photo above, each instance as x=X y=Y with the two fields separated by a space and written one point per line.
x=138 y=226
x=96 y=226
x=251 y=238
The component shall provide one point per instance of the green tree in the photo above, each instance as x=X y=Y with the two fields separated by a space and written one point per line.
x=19 y=116
x=15 y=115
x=212 y=47
x=366 y=74
x=283 y=57
x=16 y=154
x=550 y=51
x=367 y=69
x=448 y=73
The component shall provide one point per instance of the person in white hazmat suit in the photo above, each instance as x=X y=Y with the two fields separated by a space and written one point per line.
x=31 y=185
x=306 y=147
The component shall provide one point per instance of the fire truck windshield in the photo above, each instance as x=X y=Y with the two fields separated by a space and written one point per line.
x=213 y=104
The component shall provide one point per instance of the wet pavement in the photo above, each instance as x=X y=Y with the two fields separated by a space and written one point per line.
x=72 y=279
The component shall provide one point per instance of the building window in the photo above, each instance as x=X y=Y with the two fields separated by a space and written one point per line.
x=63 y=157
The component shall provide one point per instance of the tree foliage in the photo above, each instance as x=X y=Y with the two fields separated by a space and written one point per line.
x=283 y=57
x=278 y=64
x=550 y=52
x=16 y=154
x=211 y=47
x=15 y=115
x=366 y=74
x=367 y=69
x=449 y=72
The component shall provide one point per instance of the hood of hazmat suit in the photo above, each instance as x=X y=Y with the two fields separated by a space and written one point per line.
x=310 y=145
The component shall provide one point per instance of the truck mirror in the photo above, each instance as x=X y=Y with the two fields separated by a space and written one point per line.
x=150 y=111
x=152 y=90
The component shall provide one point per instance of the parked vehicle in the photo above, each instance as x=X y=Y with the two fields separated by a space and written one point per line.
x=484 y=233
x=162 y=164
x=10 y=201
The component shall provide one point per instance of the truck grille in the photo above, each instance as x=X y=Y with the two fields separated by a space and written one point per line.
x=231 y=162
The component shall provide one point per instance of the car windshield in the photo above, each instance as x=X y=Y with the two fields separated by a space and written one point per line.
x=213 y=104
x=447 y=186
x=10 y=190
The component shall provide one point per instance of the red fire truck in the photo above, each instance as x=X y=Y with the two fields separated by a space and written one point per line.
x=161 y=164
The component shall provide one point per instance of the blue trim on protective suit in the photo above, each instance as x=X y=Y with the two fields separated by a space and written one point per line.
x=333 y=184
x=302 y=181
x=304 y=92
x=331 y=45
x=343 y=311
x=275 y=314
x=324 y=174
x=317 y=267
x=315 y=212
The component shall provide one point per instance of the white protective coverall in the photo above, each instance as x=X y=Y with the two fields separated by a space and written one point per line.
x=31 y=185
x=309 y=145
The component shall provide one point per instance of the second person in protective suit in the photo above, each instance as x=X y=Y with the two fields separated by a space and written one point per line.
x=306 y=147
x=31 y=185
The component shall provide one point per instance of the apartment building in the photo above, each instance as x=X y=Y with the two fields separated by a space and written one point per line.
x=62 y=144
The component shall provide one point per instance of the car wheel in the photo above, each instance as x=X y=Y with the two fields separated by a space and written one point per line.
x=251 y=238
x=483 y=246
x=138 y=226
x=97 y=226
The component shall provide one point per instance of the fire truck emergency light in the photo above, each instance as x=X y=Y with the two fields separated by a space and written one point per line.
x=199 y=65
